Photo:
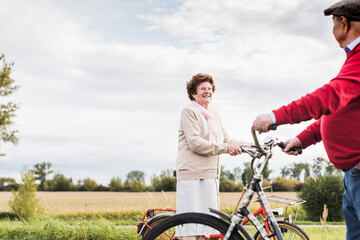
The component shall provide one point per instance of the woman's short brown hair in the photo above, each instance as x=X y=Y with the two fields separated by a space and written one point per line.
x=196 y=81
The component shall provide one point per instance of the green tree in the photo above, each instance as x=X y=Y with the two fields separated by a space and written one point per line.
x=25 y=204
x=136 y=186
x=7 y=108
x=135 y=181
x=135 y=175
x=318 y=166
x=306 y=168
x=295 y=171
x=60 y=183
x=330 y=169
x=322 y=166
x=227 y=174
x=165 y=182
x=298 y=168
x=237 y=175
x=327 y=189
x=285 y=171
x=41 y=171
x=246 y=173
x=228 y=180
x=8 y=184
x=87 y=185
x=267 y=172
x=116 y=185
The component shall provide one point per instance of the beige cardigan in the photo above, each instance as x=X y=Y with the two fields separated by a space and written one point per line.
x=197 y=158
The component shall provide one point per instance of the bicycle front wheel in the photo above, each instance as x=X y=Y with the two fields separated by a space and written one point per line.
x=289 y=231
x=204 y=225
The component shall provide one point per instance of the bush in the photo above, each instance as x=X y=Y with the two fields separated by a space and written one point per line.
x=116 y=185
x=102 y=188
x=285 y=185
x=165 y=182
x=87 y=185
x=25 y=204
x=60 y=183
x=135 y=186
x=265 y=183
x=227 y=185
x=322 y=190
x=8 y=184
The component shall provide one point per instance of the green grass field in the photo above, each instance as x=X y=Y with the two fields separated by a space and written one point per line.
x=107 y=215
x=52 y=228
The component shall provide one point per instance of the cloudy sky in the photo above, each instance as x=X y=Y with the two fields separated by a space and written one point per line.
x=103 y=81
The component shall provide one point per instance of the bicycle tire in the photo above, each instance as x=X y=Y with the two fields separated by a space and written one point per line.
x=289 y=231
x=166 y=228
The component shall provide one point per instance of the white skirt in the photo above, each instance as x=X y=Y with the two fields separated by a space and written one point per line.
x=196 y=196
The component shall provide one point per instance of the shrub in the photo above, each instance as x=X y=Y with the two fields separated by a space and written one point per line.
x=227 y=185
x=135 y=186
x=116 y=185
x=322 y=190
x=265 y=183
x=284 y=185
x=8 y=184
x=25 y=204
x=87 y=185
x=60 y=183
x=165 y=182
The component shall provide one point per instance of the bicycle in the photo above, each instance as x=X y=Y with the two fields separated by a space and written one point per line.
x=156 y=215
x=231 y=227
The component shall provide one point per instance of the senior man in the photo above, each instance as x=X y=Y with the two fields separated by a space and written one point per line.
x=336 y=108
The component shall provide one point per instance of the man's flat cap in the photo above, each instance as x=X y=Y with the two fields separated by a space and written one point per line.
x=347 y=8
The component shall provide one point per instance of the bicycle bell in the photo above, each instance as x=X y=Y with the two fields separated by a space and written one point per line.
x=269 y=141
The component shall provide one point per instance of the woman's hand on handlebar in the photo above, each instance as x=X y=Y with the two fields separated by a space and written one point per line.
x=262 y=123
x=291 y=143
x=233 y=150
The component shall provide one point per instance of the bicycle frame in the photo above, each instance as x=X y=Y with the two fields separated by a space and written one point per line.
x=260 y=210
x=254 y=186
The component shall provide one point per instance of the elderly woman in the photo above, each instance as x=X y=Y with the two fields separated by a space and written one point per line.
x=202 y=139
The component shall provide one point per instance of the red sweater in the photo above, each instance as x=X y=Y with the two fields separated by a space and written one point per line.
x=336 y=106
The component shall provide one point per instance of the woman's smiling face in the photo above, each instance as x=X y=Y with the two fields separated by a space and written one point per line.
x=203 y=94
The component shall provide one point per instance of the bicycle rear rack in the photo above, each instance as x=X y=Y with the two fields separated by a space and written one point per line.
x=287 y=201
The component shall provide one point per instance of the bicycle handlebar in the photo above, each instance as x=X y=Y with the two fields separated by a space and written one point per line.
x=272 y=126
x=282 y=145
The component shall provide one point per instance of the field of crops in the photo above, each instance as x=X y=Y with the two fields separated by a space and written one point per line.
x=70 y=202
x=110 y=215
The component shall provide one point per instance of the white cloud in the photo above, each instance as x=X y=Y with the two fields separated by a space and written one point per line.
x=95 y=102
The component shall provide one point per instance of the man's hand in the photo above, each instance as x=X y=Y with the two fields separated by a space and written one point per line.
x=233 y=150
x=290 y=144
x=262 y=122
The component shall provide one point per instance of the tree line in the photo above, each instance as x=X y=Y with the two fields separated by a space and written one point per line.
x=292 y=178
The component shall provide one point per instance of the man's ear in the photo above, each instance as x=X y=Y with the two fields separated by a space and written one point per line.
x=345 y=24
